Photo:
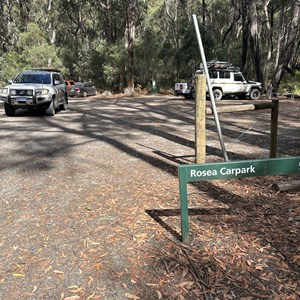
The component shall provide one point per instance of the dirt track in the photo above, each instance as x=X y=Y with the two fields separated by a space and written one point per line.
x=80 y=193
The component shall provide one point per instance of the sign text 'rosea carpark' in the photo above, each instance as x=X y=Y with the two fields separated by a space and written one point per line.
x=222 y=172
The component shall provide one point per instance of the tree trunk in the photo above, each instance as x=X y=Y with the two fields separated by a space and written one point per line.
x=254 y=40
x=203 y=13
x=245 y=36
x=269 y=35
x=287 y=43
x=129 y=43
x=108 y=26
x=8 y=26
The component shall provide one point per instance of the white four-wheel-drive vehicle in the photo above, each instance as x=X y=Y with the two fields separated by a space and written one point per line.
x=226 y=80
x=39 y=89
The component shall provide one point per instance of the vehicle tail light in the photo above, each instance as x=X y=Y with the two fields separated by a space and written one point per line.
x=181 y=86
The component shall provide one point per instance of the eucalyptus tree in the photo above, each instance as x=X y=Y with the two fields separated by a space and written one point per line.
x=270 y=38
x=123 y=42
x=4 y=27
x=105 y=30
x=262 y=37
x=33 y=51
x=129 y=34
x=288 y=39
x=271 y=33
x=171 y=28
x=12 y=20
x=25 y=44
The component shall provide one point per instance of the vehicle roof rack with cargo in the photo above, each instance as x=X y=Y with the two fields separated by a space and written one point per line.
x=46 y=70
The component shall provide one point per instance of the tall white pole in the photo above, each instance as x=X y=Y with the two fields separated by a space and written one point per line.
x=211 y=94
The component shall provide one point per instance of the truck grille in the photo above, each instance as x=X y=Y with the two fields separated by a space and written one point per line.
x=24 y=93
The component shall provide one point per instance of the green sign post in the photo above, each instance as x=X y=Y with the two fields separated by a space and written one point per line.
x=226 y=170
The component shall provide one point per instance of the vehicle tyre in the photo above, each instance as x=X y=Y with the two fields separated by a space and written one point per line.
x=9 y=110
x=84 y=94
x=255 y=94
x=192 y=94
x=64 y=105
x=217 y=94
x=50 y=111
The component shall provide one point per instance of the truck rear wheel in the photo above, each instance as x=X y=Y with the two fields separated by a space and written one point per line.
x=191 y=95
x=217 y=94
x=9 y=110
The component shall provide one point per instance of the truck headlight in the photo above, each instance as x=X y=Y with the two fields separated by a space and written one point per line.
x=41 y=92
x=13 y=92
x=4 y=91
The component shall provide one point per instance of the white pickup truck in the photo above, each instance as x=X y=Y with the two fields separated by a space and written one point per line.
x=225 y=81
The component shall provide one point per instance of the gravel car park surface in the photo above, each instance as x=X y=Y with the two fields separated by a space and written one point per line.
x=90 y=198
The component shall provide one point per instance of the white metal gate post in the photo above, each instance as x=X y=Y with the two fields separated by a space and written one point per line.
x=211 y=95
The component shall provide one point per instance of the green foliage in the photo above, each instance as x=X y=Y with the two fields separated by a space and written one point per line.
x=11 y=64
x=33 y=37
x=113 y=66
x=42 y=56
x=147 y=57
x=34 y=52
x=86 y=38
x=291 y=83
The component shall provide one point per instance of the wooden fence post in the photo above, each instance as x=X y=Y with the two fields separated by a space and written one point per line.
x=200 y=126
x=274 y=128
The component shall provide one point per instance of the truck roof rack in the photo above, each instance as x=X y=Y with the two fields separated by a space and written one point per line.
x=46 y=70
x=220 y=65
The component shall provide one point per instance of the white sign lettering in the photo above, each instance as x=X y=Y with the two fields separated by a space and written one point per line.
x=223 y=171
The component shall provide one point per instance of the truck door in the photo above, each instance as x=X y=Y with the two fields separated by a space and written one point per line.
x=240 y=83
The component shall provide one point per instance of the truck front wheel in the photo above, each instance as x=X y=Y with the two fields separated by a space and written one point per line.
x=255 y=94
x=64 y=105
x=50 y=111
x=9 y=110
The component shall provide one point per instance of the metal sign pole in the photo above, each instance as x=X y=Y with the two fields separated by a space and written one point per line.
x=211 y=95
